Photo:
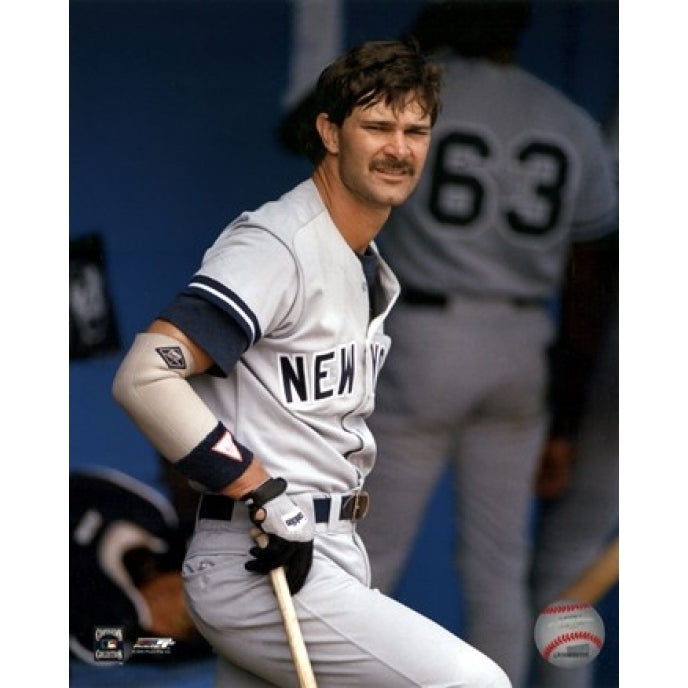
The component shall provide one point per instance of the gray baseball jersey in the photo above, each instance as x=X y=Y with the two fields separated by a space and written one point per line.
x=516 y=172
x=300 y=395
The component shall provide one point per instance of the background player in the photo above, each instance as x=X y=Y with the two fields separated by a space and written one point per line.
x=274 y=348
x=517 y=174
x=578 y=481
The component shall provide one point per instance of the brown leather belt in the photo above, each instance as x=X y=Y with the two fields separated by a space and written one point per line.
x=354 y=507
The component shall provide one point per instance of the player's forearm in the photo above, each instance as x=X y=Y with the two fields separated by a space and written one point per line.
x=151 y=386
x=587 y=305
x=588 y=294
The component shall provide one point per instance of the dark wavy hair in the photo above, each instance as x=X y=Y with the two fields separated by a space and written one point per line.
x=373 y=72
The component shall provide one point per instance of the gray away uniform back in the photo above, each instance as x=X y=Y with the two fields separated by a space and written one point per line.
x=515 y=174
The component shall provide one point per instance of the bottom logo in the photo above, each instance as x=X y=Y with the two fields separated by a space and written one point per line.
x=108 y=644
x=153 y=646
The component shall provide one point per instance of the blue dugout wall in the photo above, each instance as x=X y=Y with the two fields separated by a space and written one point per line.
x=173 y=111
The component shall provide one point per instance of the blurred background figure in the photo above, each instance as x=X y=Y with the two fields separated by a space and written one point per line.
x=578 y=481
x=126 y=546
x=519 y=184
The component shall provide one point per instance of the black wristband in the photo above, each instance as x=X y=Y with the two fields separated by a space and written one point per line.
x=217 y=461
x=271 y=488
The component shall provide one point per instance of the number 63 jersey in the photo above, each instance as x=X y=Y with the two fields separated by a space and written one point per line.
x=515 y=174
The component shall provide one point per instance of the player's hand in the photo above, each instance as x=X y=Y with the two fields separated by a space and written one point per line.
x=289 y=530
x=554 y=474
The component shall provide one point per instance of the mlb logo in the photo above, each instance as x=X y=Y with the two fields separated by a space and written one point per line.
x=108 y=644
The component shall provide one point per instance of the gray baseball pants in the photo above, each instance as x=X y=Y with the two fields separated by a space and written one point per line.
x=464 y=383
x=356 y=636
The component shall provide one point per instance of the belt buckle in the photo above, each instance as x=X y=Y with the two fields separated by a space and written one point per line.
x=357 y=505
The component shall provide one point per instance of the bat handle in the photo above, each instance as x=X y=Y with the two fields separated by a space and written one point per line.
x=598 y=578
x=297 y=646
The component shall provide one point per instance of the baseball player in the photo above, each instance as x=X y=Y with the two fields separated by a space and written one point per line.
x=256 y=383
x=516 y=175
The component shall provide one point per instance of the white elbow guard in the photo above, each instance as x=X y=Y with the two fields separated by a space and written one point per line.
x=151 y=386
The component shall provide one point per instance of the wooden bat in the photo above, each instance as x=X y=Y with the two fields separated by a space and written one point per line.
x=297 y=646
x=594 y=583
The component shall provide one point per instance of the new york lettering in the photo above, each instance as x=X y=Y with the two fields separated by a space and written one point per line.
x=314 y=377
x=378 y=353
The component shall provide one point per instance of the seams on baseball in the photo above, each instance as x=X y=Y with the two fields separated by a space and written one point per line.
x=569 y=633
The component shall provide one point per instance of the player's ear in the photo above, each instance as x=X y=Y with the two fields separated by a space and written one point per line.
x=329 y=133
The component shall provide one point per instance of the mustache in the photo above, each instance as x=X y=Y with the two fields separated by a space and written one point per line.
x=392 y=165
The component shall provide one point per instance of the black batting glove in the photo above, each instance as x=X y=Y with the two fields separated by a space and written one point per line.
x=289 y=531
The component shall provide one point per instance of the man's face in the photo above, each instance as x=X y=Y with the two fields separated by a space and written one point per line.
x=381 y=153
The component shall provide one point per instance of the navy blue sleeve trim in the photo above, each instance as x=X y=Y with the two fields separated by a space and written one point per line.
x=215 y=331
x=226 y=300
